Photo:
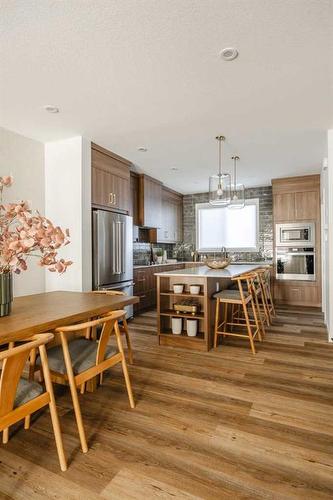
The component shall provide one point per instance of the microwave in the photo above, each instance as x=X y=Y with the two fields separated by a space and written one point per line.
x=296 y=234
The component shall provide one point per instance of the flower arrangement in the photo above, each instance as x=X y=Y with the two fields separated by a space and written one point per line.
x=24 y=234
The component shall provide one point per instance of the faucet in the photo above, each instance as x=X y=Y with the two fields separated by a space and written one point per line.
x=224 y=253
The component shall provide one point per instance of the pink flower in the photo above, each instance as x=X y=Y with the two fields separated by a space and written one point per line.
x=6 y=180
x=23 y=234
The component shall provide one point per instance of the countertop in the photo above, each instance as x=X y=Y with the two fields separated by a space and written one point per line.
x=240 y=262
x=229 y=272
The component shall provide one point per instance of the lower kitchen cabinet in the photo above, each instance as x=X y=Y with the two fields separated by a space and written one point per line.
x=145 y=284
x=294 y=293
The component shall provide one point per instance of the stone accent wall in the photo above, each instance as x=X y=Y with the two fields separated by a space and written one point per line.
x=265 y=221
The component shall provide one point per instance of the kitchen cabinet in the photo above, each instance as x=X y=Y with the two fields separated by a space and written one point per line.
x=134 y=198
x=171 y=230
x=150 y=202
x=297 y=199
x=145 y=284
x=110 y=180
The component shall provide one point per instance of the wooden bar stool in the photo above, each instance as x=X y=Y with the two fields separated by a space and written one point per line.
x=245 y=301
x=264 y=275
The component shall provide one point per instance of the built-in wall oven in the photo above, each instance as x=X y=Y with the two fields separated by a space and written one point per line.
x=295 y=263
x=296 y=234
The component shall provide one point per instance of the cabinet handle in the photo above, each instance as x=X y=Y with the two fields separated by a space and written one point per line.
x=115 y=199
x=111 y=198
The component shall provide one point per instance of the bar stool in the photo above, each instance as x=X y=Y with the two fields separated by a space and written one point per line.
x=245 y=300
x=264 y=276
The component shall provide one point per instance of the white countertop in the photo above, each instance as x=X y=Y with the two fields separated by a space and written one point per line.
x=242 y=263
x=229 y=272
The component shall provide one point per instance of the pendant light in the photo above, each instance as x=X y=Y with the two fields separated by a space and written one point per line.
x=237 y=190
x=219 y=185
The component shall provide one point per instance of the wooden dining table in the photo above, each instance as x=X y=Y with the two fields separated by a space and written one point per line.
x=44 y=312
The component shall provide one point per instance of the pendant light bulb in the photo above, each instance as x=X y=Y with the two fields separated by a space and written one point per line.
x=237 y=190
x=219 y=185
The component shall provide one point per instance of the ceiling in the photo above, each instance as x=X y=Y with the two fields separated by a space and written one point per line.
x=131 y=73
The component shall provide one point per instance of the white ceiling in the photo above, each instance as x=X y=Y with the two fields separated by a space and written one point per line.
x=130 y=73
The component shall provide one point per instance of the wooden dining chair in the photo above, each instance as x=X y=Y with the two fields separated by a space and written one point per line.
x=19 y=398
x=80 y=358
x=123 y=326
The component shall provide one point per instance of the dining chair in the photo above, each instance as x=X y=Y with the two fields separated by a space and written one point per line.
x=123 y=326
x=19 y=398
x=80 y=358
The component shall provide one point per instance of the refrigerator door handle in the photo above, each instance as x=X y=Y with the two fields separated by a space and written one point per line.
x=118 y=247
x=114 y=233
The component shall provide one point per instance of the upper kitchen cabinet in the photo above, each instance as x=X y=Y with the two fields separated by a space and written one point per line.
x=134 y=198
x=171 y=230
x=110 y=180
x=150 y=202
x=296 y=198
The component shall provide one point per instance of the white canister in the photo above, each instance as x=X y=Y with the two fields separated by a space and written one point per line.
x=194 y=289
x=178 y=288
x=192 y=327
x=176 y=326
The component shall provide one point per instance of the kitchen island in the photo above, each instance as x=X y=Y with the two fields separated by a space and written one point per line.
x=199 y=307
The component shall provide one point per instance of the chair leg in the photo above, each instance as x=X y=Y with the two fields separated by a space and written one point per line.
x=217 y=311
x=124 y=366
x=27 y=422
x=75 y=398
x=53 y=409
x=83 y=388
x=256 y=321
x=260 y=317
x=129 y=343
x=32 y=364
x=248 y=325
x=5 y=435
x=225 y=318
x=101 y=378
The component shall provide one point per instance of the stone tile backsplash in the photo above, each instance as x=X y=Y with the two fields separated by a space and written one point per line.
x=265 y=221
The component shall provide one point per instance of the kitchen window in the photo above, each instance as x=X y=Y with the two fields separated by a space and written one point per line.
x=235 y=229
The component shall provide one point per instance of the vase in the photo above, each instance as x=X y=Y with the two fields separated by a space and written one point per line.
x=6 y=293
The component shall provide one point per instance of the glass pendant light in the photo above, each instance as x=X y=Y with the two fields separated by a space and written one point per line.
x=237 y=190
x=219 y=185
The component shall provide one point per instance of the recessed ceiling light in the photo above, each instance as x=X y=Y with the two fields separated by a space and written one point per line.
x=51 y=109
x=142 y=149
x=229 y=53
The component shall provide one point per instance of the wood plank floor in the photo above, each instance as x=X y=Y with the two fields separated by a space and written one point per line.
x=223 y=424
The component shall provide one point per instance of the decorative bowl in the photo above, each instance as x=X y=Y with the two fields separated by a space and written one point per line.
x=217 y=263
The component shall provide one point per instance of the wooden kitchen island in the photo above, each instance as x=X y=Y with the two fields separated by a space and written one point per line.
x=210 y=281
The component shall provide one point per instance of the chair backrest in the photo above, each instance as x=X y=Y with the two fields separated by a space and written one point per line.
x=14 y=360
x=109 y=323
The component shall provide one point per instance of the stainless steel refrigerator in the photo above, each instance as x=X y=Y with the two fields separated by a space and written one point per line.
x=113 y=253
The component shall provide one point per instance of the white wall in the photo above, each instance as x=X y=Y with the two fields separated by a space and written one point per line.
x=67 y=203
x=24 y=159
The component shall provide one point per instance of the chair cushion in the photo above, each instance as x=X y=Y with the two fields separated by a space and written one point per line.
x=83 y=355
x=26 y=391
x=230 y=294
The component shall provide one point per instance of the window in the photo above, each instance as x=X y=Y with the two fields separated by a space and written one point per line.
x=235 y=229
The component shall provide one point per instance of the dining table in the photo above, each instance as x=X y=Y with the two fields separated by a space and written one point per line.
x=43 y=312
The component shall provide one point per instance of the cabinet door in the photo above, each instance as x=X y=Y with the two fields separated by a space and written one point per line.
x=306 y=205
x=152 y=202
x=121 y=198
x=102 y=188
x=284 y=207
